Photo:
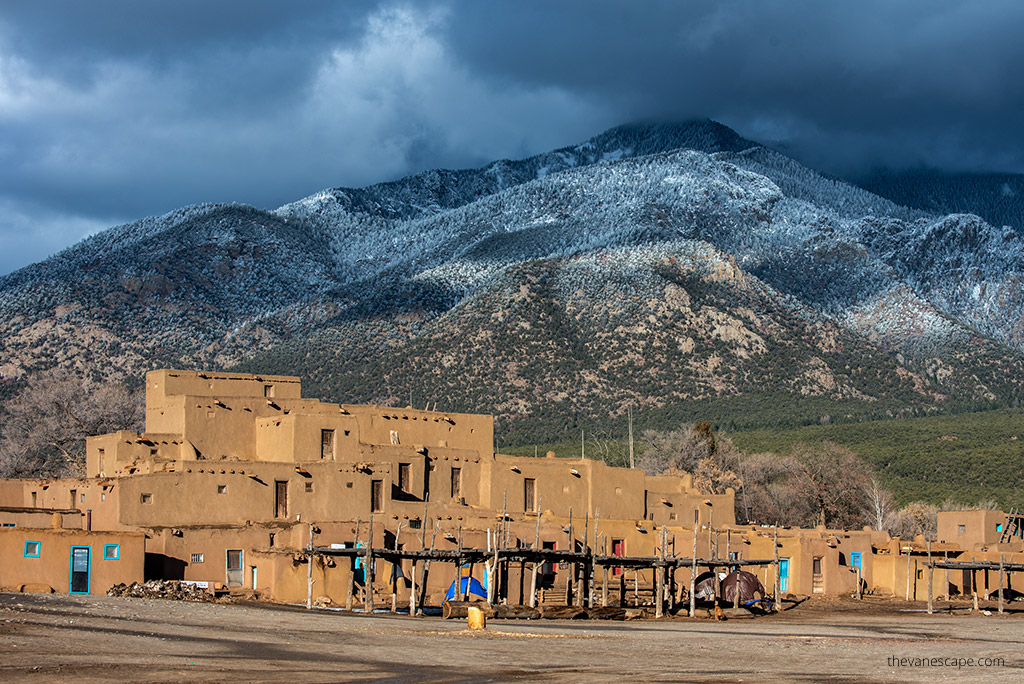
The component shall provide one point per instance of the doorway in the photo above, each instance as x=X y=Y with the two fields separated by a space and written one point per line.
x=80 y=570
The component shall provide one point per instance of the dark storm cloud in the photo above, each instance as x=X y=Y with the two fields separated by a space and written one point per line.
x=110 y=111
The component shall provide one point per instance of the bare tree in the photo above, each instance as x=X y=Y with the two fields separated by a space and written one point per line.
x=881 y=503
x=712 y=462
x=44 y=428
x=835 y=480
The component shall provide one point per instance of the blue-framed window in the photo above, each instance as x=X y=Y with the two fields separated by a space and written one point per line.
x=32 y=549
x=111 y=552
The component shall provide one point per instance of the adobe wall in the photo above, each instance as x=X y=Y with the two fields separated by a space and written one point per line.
x=970 y=529
x=52 y=566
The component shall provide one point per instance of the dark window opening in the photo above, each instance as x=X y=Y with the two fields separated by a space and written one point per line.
x=280 y=498
x=327 y=444
x=456 y=483
x=376 y=496
x=529 y=494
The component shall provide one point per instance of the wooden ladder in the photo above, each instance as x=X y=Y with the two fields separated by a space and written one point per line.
x=1011 y=526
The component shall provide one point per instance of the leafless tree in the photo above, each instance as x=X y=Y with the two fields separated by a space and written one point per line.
x=881 y=503
x=43 y=429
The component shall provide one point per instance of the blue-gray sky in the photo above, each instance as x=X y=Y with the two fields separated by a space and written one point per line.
x=112 y=110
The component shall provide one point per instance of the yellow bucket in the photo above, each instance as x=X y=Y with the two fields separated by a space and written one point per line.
x=476 y=618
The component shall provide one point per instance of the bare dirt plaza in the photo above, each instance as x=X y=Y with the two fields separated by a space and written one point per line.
x=92 y=639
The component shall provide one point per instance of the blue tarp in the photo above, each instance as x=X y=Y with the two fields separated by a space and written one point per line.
x=470 y=587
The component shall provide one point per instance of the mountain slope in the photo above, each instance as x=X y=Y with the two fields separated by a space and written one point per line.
x=681 y=268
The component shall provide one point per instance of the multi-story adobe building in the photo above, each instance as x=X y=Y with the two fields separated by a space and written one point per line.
x=235 y=473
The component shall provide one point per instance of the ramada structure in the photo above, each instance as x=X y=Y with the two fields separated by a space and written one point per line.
x=240 y=482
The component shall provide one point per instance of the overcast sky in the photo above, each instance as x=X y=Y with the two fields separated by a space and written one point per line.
x=115 y=110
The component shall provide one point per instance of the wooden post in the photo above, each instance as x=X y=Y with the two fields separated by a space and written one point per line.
x=910 y=550
x=368 y=572
x=778 y=581
x=536 y=563
x=1002 y=558
x=426 y=566
x=351 y=583
x=568 y=575
x=394 y=573
x=604 y=585
x=352 y=573
x=659 y=583
x=860 y=581
x=581 y=590
x=412 y=591
x=945 y=559
x=736 y=569
x=974 y=586
x=309 y=571
x=931 y=571
x=693 y=567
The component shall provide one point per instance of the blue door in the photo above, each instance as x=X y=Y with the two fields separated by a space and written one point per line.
x=783 y=574
x=79 y=582
x=855 y=559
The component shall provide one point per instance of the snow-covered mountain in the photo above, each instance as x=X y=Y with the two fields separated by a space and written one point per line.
x=730 y=262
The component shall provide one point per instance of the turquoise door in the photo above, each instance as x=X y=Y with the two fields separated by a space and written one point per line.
x=783 y=574
x=855 y=559
x=79 y=580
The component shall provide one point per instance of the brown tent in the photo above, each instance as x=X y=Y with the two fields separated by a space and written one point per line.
x=749 y=585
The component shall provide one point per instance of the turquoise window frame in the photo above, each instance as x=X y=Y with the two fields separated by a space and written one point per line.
x=117 y=552
x=39 y=549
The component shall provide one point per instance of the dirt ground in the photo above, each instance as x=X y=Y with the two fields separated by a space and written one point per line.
x=99 y=639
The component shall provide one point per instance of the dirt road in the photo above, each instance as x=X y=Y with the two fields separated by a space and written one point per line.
x=94 y=639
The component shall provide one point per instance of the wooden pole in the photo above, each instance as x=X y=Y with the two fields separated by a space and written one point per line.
x=909 y=554
x=426 y=566
x=659 y=578
x=352 y=574
x=412 y=591
x=1002 y=571
x=309 y=571
x=778 y=580
x=394 y=573
x=568 y=576
x=581 y=592
x=945 y=558
x=604 y=586
x=536 y=564
x=693 y=567
x=368 y=571
x=931 y=571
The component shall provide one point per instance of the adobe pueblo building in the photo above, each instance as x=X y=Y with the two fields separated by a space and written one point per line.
x=241 y=482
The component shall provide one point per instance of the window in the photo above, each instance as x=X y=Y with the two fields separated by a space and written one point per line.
x=394 y=437
x=273 y=538
x=234 y=559
x=962 y=529
x=456 y=483
x=309 y=487
x=81 y=498
x=327 y=444
x=280 y=498
x=268 y=391
x=32 y=549
x=222 y=489
x=529 y=494
x=111 y=551
x=404 y=479
x=34 y=499
x=146 y=498
x=197 y=558
x=377 y=496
